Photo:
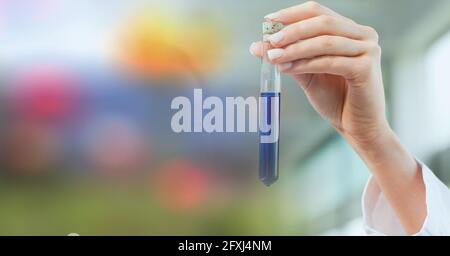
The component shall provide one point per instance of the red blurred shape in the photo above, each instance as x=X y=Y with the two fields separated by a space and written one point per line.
x=182 y=185
x=46 y=94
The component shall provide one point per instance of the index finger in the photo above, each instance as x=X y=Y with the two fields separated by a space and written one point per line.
x=301 y=12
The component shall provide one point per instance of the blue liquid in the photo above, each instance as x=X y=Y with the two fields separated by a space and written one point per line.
x=268 y=163
x=268 y=152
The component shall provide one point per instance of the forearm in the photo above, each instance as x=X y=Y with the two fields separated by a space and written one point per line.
x=398 y=175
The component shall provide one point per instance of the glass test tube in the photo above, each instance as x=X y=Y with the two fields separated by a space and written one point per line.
x=269 y=111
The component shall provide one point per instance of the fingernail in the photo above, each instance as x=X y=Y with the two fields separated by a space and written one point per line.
x=276 y=38
x=285 y=66
x=272 y=16
x=252 y=49
x=275 y=53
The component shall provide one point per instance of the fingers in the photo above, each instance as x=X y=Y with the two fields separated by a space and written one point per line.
x=318 y=26
x=319 y=40
x=317 y=46
x=347 y=67
x=301 y=12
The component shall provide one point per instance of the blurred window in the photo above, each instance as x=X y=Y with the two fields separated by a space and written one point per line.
x=437 y=63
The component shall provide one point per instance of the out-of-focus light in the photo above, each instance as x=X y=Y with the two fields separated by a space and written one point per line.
x=182 y=185
x=160 y=44
x=46 y=8
x=33 y=9
x=116 y=148
x=45 y=94
x=30 y=149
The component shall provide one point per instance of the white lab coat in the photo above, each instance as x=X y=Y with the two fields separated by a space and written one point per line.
x=380 y=219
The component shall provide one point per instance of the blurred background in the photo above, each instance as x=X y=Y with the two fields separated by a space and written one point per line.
x=85 y=139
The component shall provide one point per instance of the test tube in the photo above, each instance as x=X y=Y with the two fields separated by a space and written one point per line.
x=269 y=111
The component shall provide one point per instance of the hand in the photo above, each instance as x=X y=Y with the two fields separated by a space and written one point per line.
x=337 y=63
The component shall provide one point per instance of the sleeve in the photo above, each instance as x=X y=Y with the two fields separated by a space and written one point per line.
x=380 y=219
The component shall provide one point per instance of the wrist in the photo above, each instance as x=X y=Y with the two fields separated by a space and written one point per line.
x=370 y=139
x=377 y=150
x=377 y=146
x=383 y=152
